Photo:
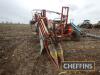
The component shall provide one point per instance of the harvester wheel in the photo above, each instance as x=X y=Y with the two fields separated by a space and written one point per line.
x=75 y=36
x=32 y=22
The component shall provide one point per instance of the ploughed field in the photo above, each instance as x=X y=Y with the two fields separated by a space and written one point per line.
x=19 y=51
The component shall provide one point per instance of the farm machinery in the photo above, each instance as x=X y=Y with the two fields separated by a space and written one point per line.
x=52 y=32
x=60 y=26
x=86 y=24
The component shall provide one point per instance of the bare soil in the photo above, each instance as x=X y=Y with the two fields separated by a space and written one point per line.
x=19 y=52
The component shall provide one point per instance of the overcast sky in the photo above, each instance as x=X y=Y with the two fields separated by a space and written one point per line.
x=20 y=10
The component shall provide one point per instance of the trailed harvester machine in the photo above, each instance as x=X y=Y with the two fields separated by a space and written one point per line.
x=52 y=32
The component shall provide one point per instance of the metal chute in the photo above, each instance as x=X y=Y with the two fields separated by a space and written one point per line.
x=47 y=43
